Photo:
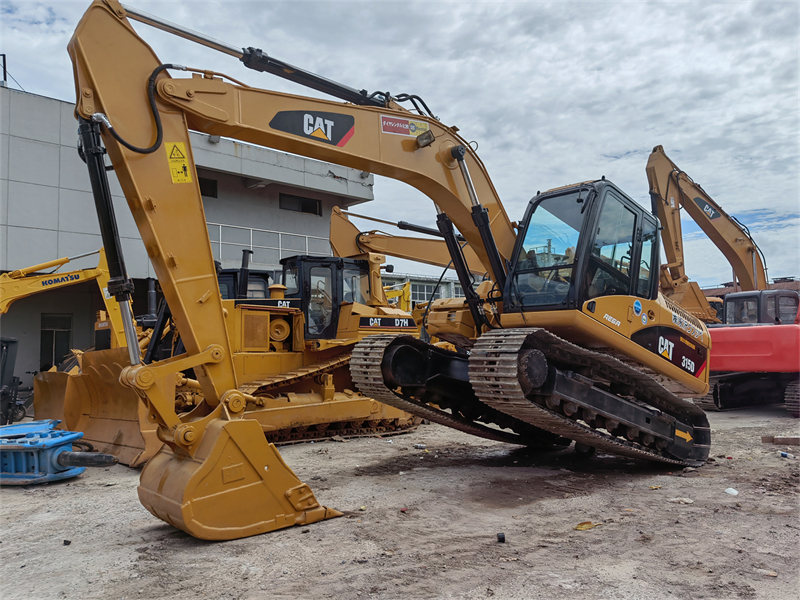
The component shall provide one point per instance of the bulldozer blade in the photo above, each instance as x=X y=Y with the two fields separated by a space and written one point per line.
x=49 y=391
x=235 y=486
x=110 y=415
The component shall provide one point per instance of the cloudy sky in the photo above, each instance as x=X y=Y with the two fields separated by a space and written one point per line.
x=553 y=93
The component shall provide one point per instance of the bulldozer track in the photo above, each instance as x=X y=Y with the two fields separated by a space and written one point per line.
x=343 y=430
x=276 y=381
x=323 y=431
x=365 y=369
x=493 y=375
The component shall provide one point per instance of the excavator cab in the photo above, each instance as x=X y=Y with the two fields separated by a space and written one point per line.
x=582 y=242
x=323 y=284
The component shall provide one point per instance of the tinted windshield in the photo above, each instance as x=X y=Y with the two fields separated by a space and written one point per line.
x=544 y=269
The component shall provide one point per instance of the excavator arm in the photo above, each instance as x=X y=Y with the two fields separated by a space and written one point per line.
x=671 y=190
x=216 y=477
x=18 y=284
x=347 y=240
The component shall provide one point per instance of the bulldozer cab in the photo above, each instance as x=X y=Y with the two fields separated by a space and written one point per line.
x=323 y=284
x=581 y=242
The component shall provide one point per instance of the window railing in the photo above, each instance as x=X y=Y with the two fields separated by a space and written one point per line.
x=269 y=247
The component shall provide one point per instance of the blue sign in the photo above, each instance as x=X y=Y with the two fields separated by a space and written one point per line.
x=637 y=308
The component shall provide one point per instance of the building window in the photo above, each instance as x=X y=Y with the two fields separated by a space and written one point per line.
x=421 y=292
x=208 y=187
x=55 y=340
x=458 y=291
x=300 y=204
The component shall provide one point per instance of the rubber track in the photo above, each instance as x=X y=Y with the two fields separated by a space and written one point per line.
x=493 y=374
x=365 y=369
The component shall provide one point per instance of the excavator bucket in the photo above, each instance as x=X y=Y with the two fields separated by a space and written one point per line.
x=49 y=391
x=235 y=486
x=110 y=415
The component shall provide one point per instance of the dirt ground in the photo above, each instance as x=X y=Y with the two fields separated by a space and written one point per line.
x=423 y=524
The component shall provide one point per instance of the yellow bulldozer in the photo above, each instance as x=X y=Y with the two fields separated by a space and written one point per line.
x=568 y=340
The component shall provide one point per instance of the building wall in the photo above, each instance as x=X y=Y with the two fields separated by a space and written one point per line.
x=47 y=210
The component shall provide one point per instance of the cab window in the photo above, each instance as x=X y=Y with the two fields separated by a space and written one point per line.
x=647 y=260
x=320 y=306
x=545 y=265
x=356 y=285
x=787 y=308
x=609 y=269
x=742 y=310
x=291 y=281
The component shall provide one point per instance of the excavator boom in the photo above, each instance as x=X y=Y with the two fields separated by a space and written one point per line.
x=347 y=240
x=671 y=190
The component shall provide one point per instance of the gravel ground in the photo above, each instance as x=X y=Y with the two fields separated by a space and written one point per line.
x=423 y=523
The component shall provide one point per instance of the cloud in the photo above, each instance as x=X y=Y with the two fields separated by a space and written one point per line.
x=554 y=93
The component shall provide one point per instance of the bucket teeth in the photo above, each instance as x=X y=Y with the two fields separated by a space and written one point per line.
x=236 y=485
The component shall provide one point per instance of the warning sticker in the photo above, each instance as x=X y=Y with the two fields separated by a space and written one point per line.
x=178 y=162
x=402 y=126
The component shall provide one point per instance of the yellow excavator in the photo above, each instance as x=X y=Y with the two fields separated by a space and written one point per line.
x=22 y=283
x=672 y=190
x=570 y=340
x=50 y=387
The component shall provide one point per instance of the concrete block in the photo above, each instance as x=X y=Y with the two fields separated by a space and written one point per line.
x=31 y=205
x=28 y=247
x=74 y=175
x=781 y=440
x=77 y=213
x=35 y=117
x=32 y=161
